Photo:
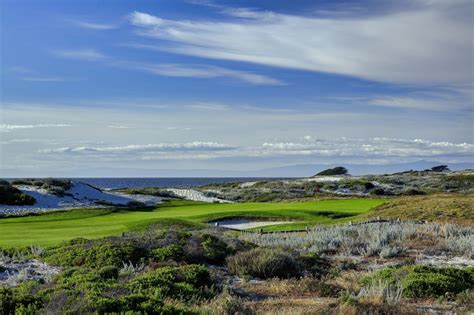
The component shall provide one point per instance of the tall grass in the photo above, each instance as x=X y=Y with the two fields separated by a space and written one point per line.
x=385 y=239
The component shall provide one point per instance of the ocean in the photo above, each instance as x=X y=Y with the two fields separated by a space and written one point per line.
x=176 y=182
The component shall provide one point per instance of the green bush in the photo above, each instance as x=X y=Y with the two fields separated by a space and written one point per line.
x=109 y=272
x=19 y=300
x=264 y=263
x=183 y=282
x=96 y=254
x=171 y=252
x=433 y=282
x=425 y=281
x=215 y=250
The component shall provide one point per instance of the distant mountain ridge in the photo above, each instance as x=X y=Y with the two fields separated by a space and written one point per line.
x=299 y=170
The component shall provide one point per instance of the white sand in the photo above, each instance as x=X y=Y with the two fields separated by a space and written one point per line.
x=190 y=194
x=323 y=179
x=244 y=224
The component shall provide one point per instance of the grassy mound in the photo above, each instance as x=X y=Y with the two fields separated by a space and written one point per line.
x=454 y=208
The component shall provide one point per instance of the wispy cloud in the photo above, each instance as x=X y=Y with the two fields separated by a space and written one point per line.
x=94 y=26
x=171 y=70
x=7 y=128
x=43 y=79
x=82 y=54
x=210 y=107
x=119 y=127
x=148 y=148
x=372 y=148
x=435 y=46
x=368 y=148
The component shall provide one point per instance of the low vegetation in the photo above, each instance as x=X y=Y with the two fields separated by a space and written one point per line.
x=151 y=191
x=412 y=183
x=54 y=186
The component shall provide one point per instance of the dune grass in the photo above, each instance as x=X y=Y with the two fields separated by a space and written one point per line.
x=53 y=228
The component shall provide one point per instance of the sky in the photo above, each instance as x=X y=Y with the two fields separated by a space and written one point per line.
x=114 y=87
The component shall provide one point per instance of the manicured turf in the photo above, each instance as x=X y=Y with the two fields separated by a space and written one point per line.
x=53 y=228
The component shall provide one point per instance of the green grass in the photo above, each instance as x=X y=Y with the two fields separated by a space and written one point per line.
x=53 y=228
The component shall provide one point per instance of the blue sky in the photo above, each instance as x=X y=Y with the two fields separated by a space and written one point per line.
x=239 y=85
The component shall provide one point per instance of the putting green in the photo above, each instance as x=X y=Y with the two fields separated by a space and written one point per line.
x=53 y=228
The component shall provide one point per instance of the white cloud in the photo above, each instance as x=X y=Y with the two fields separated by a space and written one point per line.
x=423 y=44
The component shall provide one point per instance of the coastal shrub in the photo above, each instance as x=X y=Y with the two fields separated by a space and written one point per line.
x=426 y=281
x=264 y=263
x=183 y=282
x=12 y=196
x=171 y=252
x=134 y=204
x=377 y=192
x=215 y=250
x=19 y=300
x=96 y=254
x=338 y=170
x=26 y=182
x=57 y=182
x=109 y=272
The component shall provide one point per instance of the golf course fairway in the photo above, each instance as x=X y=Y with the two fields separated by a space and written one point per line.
x=53 y=228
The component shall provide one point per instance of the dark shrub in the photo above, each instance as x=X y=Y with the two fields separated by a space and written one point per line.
x=414 y=192
x=10 y=195
x=377 y=192
x=369 y=186
x=440 y=168
x=338 y=170
x=109 y=272
x=314 y=265
x=264 y=263
x=134 y=204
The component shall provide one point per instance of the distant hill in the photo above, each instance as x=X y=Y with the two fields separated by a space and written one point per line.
x=306 y=170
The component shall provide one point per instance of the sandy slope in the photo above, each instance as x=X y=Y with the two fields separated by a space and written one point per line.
x=79 y=196
x=190 y=194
